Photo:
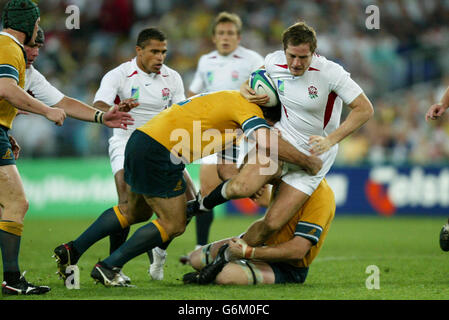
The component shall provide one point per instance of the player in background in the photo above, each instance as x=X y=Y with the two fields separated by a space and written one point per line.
x=311 y=90
x=155 y=158
x=156 y=87
x=225 y=68
x=20 y=20
x=435 y=112
x=284 y=258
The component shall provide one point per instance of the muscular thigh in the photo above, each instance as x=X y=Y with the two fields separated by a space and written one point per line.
x=244 y=272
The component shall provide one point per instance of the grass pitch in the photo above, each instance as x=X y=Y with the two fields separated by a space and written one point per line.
x=405 y=249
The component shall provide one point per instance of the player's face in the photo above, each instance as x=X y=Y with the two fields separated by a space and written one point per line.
x=32 y=53
x=298 y=58
x=33 y=37
x=226 y=38
x=151 y=57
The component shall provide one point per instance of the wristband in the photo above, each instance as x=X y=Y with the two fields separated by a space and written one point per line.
x=98 y=118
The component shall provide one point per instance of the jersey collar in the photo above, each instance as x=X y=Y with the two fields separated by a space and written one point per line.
x=12 y=37
x=151 y=75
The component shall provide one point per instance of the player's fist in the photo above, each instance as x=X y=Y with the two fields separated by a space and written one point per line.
x=56 y=115
x=435 y=111
x=249 y=94
x=314 y=165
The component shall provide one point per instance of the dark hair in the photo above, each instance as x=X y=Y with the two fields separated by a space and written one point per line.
x=224 y=17
x=272 y=114
x=149 y=34
x=299 y=33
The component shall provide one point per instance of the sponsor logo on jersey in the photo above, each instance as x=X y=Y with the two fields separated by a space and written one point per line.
x=165 y=94
x=135 y=93
x=281 y=87
x=7 y=155
x=178 y=186
x=313 y=92
x=210 y=77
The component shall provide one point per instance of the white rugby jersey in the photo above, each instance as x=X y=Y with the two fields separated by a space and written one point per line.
x=311 y=103
x=216 y=72
x=154 y=92
x=37 y=86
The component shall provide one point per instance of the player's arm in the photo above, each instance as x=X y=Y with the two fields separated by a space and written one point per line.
x=10 y=91
x=112 y=117
x=274 y=146
x=437 y=110
x=292 y=250
x=361 y=111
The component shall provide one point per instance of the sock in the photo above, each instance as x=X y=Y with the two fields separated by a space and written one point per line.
x=203 y=223
x=117 y=239
x=109 y=222
x=10 y=236
x=216 y=197
x=144 y=239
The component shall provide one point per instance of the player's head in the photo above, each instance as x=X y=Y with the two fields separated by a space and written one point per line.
x=151 y=49
x=23 y=16
x=226 y=32
x=32 y=51
x=271 y=114
x=300 y=43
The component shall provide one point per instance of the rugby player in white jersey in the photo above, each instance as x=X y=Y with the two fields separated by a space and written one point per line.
x=311 y=90
x=155 y=87
x=225 y=68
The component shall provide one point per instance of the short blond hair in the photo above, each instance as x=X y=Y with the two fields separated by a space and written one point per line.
x=225 y=16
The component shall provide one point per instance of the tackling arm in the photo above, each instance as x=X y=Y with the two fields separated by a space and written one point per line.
x=292 y=250
x=10 y=91
x=276 y=146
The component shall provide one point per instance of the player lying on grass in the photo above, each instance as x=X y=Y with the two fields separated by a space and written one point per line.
x=284 y=258
x=155 y=158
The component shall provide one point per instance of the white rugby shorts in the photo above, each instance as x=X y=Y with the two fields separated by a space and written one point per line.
x=117 y=152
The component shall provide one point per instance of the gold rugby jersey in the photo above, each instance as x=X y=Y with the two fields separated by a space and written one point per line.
x=12 y=65
x=312 y=222
x=204 y=124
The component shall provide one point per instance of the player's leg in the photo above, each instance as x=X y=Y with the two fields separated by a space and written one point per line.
x=209 y=180
x=244 y=272
x=250 y=179
x=170 y=223
x=159 y=254
x=15 y=206
x=117 y=147
x=118 y=238
x=286 y=201
x=444 y=237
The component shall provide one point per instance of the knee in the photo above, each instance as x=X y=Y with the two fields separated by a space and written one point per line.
x=174 y=229
x=227 y=276
x=238 y=189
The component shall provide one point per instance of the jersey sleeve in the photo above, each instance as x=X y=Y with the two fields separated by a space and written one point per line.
x=41 y=89
x=179 y=94
x=316 y=213
x=9 y=65
x=197 y=85
x=250 y=117
x=109 y=87
x=342 y=84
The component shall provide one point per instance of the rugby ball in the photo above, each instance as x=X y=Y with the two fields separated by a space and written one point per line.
x=260 y=82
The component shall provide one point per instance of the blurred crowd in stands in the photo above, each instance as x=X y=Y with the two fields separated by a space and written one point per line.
x=402 y=66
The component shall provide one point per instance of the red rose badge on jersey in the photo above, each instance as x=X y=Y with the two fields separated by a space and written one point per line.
x=165 y=93
x=313 y=92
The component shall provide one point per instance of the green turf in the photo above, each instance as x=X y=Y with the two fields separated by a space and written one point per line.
x=406 y=251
